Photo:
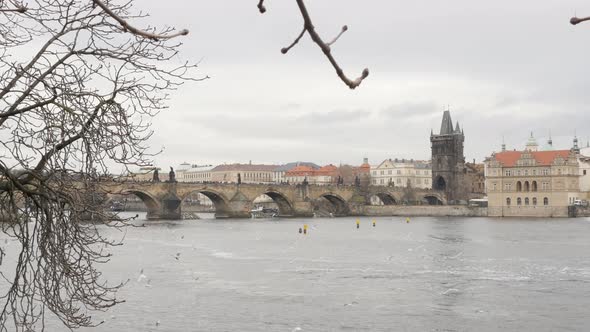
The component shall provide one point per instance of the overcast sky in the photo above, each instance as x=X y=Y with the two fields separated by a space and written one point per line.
x=506 y=68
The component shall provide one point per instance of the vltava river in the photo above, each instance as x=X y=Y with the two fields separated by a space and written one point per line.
x=431 y=274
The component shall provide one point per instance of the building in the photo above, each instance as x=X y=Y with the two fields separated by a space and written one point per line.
x=536 y=183
x=401 y=173
x=249 y=173
x=322 y=176
x=196 y=173
x=279 y=172
x=475 y=179
x=448 y=161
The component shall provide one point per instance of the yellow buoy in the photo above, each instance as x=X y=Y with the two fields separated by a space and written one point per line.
x=407 y=220
x=373 y=223
x=358 y=223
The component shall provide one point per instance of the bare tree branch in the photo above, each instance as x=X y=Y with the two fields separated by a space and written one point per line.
x=344 y=28
x=127 y=27
x=576 y=20
x=284 y=50
x=325 y=47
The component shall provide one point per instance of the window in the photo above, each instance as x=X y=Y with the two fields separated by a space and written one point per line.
x=534 y=200
x=526 y=172
x=559 y=171
x=526 y=201
x=526 y=186
x=389 y=172
x=399 y=172
x=584 y=172
x=518 y=186
x=382 y=172
x=494 y=186
x=508 y=172
x=508 y=201
x=399 y=181
x=518 y=173
x=374 y=172
x=545 y=201
x=546 y=171
x=534 y=186
x=518 y=201
x=534 y=172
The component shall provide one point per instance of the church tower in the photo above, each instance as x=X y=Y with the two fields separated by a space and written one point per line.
x=448 y=161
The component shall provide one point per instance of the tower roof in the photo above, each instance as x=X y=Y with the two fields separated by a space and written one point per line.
x=446 y=127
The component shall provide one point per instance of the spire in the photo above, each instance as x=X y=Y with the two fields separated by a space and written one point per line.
x=457 y=130
x=576 y=148
x=531 y=144
x=503 y=144
x=446 y=127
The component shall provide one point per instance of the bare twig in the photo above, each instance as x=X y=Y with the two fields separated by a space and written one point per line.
x=284 y=50
x=127 y=27
x=344 y=28
x=576 y=20
x=325 y=47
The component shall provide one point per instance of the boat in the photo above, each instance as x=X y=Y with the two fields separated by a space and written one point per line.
x=117 y=206
x=262 y=212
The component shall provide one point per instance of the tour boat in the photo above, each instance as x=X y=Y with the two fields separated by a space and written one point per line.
x=262 y=212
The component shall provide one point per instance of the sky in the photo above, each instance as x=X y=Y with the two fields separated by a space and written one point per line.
x=503 y=68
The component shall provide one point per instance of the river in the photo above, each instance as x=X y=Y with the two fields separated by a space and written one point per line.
x=431 y=274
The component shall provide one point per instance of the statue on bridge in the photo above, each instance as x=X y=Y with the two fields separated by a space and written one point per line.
x=171 y=175
x=156 y=176
x=239 y=179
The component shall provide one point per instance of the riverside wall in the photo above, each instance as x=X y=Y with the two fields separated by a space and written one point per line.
x=422 y=210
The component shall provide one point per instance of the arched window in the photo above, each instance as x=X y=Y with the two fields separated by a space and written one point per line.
x=508 y=201
x=526 y=186
x=519 y=201
x=526 y=201
x=545 y=201
x=518 y=186
x=534 y=186
x=534 y=200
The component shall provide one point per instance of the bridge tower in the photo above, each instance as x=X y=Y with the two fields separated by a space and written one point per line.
x=448 y=160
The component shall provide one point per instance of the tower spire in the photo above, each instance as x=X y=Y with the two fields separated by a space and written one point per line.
x=503 y=144
x=446 y=127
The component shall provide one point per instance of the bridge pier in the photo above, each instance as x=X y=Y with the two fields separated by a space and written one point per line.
x=167 y=209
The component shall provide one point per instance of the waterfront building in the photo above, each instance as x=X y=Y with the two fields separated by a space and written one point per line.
x=536 y=183
x=196 y=173
x=448 y=161
x=249 y=173
x=322 y=176
x=278 y=176
x=401 y=173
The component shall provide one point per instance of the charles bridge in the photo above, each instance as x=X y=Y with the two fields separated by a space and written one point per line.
x=164 y=199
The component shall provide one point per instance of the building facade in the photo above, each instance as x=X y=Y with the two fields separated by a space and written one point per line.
x=196 y=173
x=448 y=161
x=401 y=173
x=536 y=183
x=249 y=173
x=322 y=176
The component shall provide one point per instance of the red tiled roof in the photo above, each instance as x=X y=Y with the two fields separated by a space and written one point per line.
x=544 y=158
x=299 y=171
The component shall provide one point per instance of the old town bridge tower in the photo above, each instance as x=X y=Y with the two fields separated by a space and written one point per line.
x=448 y=161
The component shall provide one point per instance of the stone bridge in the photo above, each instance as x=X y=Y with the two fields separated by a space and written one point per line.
x=163 y=199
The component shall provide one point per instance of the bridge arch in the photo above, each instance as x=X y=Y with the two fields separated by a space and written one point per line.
x=386 y=198
x=285 y=206
x=339 y=206
x=220 y=202
x=433 y=199
x=152 y=204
